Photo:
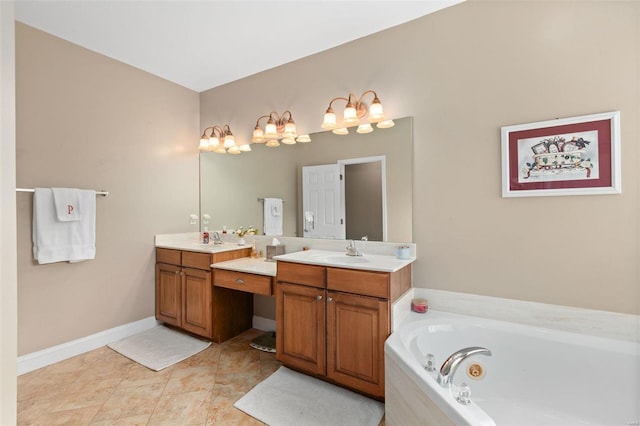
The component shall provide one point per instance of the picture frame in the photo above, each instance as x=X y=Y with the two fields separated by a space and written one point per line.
x=566 y=156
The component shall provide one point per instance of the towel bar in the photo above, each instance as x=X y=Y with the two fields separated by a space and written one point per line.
x=102 y=193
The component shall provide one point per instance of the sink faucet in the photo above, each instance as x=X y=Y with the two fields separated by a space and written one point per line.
x=449 y=367
x=216 y=238
x=352 y=250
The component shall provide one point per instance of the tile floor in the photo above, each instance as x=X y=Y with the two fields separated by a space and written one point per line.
x=103 y=387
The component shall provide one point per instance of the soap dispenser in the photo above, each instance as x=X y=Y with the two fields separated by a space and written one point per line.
x=205 y=236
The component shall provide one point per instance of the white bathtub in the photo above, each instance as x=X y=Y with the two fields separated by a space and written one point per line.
x=535 y=376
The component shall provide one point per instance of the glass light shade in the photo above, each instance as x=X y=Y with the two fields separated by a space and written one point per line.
x=214 y=141
x=329 y=121
x=350 y=116
x=341 y=131
x=290 y=129
x=229 y=141
x=375 y=112
x=258 y=135
x=270 y=130
x=204 y=143
x=272 y=143
x=234 y=150
x=303 y=138
x=365 y=128
x=245 y=148
x=385 y=124
x=288 y=140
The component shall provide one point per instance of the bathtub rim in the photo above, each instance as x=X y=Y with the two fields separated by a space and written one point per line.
x=396 y=350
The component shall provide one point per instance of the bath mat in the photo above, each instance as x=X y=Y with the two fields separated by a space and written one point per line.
x=287 y=398
x=159 y=347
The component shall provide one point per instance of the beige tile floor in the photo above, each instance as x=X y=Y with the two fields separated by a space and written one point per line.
x=103 y=387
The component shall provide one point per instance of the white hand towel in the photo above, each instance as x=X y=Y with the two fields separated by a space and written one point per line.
x=67 y=204
x=56 y=241
x=273 y=216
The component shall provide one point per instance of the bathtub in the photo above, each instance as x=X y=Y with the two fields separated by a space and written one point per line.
x=535 y=376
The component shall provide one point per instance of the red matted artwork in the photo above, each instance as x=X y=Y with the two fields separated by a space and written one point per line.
x=565 y=156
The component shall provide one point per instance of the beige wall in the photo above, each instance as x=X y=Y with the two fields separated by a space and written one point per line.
x=462 y=73
x=87 y=121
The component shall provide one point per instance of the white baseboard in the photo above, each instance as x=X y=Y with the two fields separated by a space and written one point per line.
x=48 y=356
x=264 y=324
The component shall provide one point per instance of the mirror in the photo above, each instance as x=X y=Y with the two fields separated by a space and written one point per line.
x=232 y=187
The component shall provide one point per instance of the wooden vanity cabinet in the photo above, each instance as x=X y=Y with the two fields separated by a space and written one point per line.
x=185 y=296
x=357 y=327
x=333 y=322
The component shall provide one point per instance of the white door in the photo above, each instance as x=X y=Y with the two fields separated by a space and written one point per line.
x=321 y=202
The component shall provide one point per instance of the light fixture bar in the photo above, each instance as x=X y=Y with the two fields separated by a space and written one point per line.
x=220 y=139
x=355 y=110
x=279 y=128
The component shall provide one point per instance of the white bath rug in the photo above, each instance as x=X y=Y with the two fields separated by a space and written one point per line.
x=287 y=398
x=159 y=347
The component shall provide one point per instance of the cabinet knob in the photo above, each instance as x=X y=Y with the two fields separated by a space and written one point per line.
x=318 y=297
x=239 y=281
x=329 y=299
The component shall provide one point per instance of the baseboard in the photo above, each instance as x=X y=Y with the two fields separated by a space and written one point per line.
x=264 y=324
x=48 y=356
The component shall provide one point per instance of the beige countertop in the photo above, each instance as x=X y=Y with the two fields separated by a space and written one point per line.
x=247 y=264
x=330 y=258
x=191 y=242
x=338 y=259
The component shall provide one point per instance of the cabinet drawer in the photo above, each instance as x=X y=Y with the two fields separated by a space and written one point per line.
x=172 y=257
x=367 y=283
x=297 y=273
x=252 y=283
x=192 y=259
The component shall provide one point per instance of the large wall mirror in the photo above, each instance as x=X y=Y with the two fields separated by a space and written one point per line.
x=233 y=187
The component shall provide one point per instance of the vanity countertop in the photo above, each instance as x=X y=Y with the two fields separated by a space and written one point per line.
x=338 y=259
x=247 y=264
x=190 y=242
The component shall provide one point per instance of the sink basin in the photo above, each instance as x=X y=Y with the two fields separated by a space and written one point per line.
x=347 y=259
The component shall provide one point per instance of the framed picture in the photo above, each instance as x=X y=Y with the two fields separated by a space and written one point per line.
x=565 y=156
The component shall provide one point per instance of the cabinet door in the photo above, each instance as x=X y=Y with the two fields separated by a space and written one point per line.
x=357 y=327
x=300 y=324
x=168 y=287
x=196 y=301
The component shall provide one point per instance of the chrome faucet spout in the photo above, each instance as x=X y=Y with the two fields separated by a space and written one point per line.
x=216 y=238
x=449 y=367
x=352 y=250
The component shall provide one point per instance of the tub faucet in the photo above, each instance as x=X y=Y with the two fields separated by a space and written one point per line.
x=449 y=367
x=216 y=238
x=352 y=250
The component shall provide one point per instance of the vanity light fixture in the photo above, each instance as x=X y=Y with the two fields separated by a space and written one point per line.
x=220 y=140
x=279 y=128
x=355 y=110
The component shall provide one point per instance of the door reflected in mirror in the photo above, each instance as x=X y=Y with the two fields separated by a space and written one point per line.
x=232 y=188
x=345 y=200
